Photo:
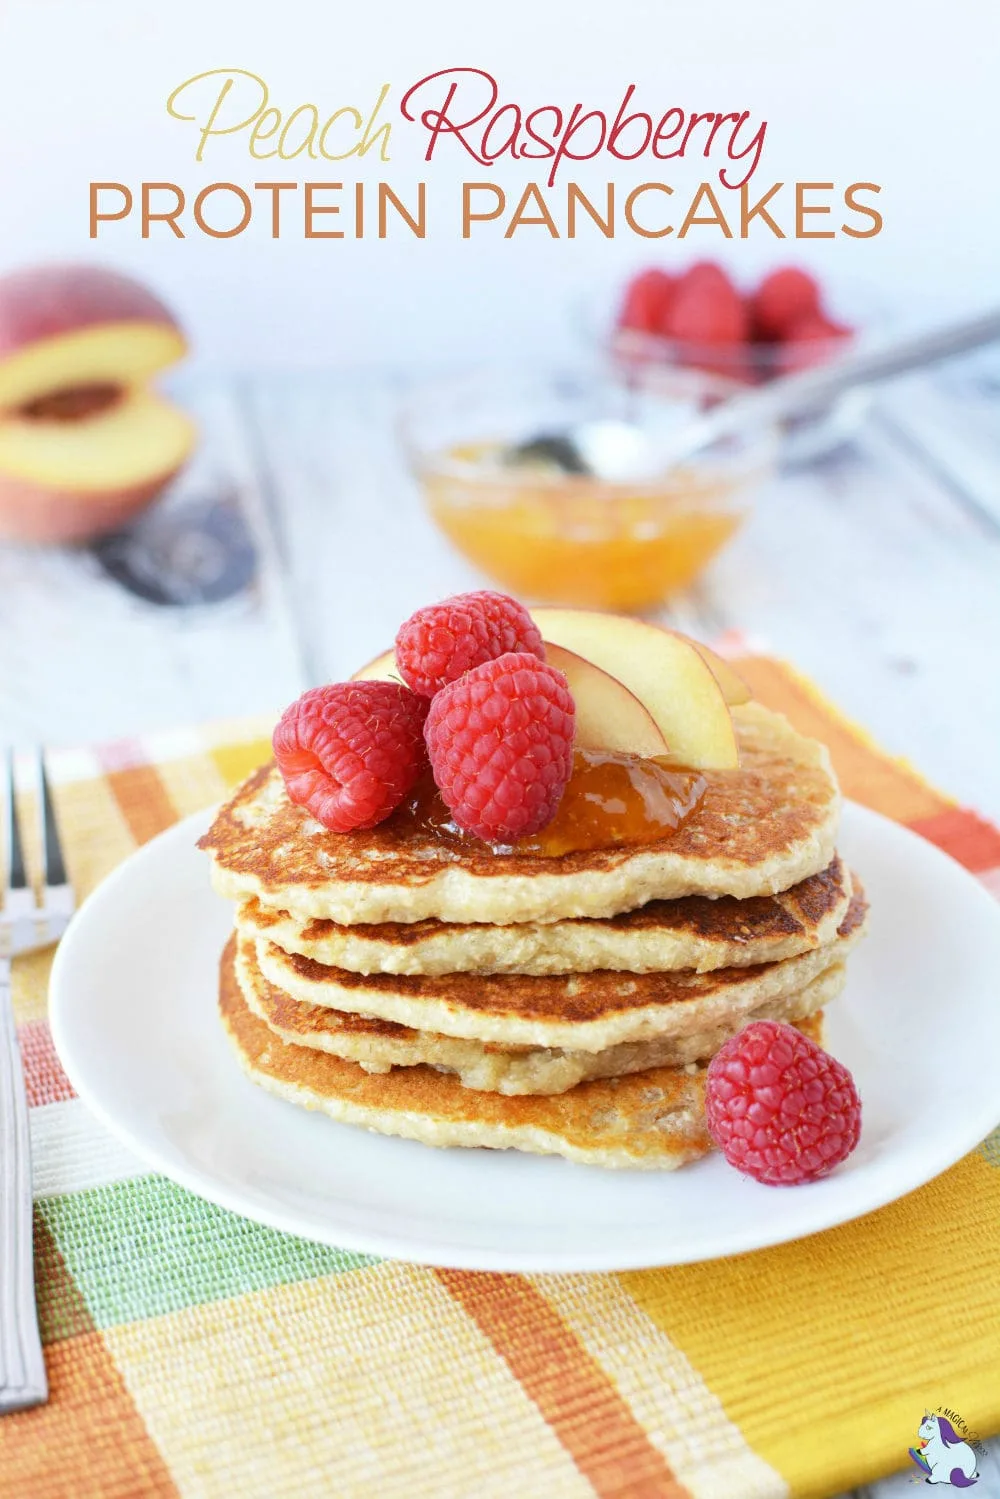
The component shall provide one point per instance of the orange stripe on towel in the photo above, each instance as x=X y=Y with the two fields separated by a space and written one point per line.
x=866 y=773
x=44 y=1078
x=573 y=1393
x=969 y=839
x=89 y=1441
x=142 y=798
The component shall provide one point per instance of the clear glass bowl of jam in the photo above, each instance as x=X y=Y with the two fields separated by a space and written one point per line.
x=553 y=485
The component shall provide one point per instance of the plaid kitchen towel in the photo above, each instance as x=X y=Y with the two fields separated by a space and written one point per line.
x=193 y=1352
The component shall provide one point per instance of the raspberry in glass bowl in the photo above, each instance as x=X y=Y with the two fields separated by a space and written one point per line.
x=698 y=318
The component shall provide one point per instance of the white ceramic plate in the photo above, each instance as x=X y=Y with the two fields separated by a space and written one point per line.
x=134 y=1021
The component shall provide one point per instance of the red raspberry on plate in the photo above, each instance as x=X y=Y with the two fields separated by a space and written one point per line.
x=350 y=752
x=779 y=1107
x=501 y=746
x=783 y=298
x=439 y=644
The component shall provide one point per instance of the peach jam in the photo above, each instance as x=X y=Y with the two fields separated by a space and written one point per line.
x=612 y=799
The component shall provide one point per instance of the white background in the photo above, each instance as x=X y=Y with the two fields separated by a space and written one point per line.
x=888 y=92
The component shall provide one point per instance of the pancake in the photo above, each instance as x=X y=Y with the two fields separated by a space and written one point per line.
x=693 y=932
x=579 y=1011
x=756 y=831
x=379 y=1045
x=650 y=1120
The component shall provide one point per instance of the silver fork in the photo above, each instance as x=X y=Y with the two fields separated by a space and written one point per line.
x=25 y=923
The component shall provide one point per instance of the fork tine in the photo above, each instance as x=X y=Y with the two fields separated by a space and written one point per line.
x=54 y=867
x=17 y=876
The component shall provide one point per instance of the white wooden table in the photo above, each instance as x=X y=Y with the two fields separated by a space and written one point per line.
x=878 y=572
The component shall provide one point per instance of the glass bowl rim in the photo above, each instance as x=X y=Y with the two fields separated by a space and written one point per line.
x=744 y=454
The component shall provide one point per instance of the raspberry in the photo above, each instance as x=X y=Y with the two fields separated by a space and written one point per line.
x=501 y=746
x=779 y=1107
x=706 y=308
x=782 y=299
x=808 y=341
x=438 y=644
x=351 y=751
x=647 y=302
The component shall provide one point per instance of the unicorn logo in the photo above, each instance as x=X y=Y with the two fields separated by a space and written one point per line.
x=942 y=1455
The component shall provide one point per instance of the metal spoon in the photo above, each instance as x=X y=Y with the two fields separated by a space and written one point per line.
x=796 y=395
x=616 y=449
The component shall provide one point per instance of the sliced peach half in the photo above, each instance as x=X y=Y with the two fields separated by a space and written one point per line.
x=663 y=670
x=84 y=443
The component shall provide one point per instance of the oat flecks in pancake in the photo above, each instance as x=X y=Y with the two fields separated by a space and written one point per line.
x=378 y=1045
x=693 y=932
x=649 y=1121
x=581 y=1011
x=758 y=830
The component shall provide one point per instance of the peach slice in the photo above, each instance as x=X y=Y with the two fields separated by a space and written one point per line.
x=663 y=670
x=83 y=443
x=734 y=689
x=608 y=715
x=381 y=669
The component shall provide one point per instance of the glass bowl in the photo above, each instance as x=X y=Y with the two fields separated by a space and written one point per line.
x=551 y=483
x=746 y=364
x=805 y=439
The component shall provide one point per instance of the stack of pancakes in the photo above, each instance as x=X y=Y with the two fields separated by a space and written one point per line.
x=441 y=991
